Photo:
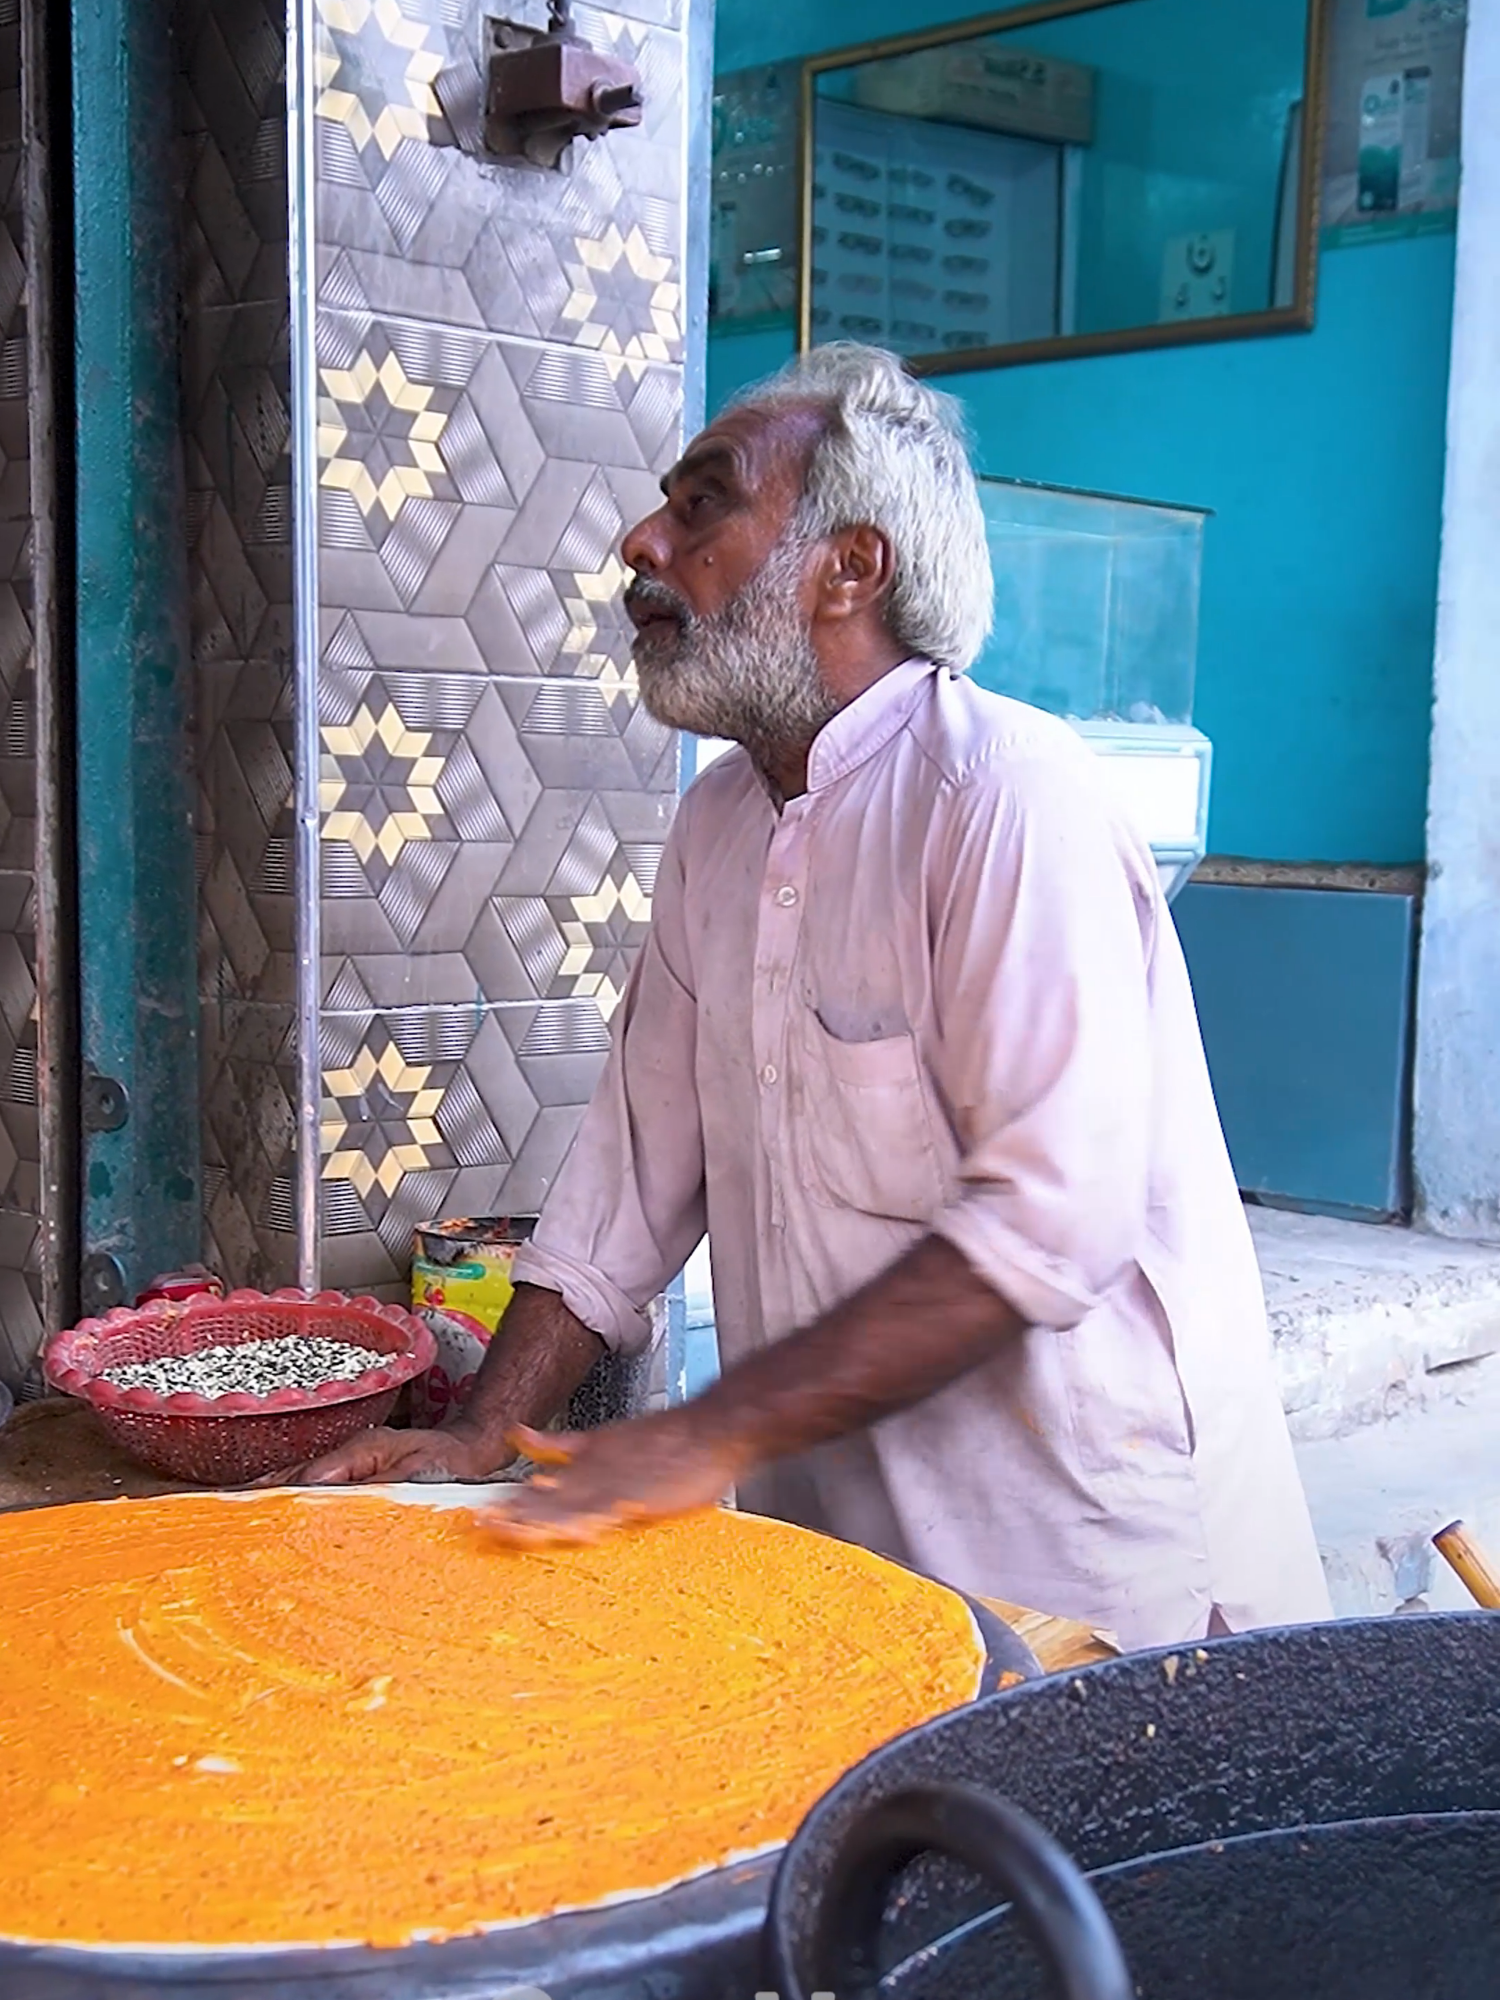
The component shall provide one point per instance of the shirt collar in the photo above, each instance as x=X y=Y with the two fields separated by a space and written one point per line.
x=867 y=724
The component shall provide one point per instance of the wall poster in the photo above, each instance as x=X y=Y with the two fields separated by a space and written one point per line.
x=1395 y=92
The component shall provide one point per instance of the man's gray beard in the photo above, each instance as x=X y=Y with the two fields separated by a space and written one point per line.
x=746 y=672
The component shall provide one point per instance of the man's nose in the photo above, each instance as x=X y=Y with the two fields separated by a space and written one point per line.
x=644 y=547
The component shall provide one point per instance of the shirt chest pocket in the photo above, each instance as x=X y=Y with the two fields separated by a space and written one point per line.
x=865 y=1136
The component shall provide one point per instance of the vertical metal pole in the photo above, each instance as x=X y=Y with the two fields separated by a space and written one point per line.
x=302 y=272
x=137 y=907
x=697 y=223
x=47 y=198
x=697 y=212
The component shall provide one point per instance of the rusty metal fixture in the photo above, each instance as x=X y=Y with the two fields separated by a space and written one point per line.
x=547 y=88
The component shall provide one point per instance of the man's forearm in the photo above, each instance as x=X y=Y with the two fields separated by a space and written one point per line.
x=540 y=1354
x=920 y=1325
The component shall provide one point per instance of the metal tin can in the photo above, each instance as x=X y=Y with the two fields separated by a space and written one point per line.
x=176 y=1286
x=460 y=1286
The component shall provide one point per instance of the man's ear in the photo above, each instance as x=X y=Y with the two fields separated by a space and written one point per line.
x=856 y=574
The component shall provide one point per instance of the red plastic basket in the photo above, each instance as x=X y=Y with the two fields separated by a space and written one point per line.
x=230 y=1440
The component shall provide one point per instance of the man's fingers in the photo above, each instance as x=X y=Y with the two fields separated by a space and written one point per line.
x=341 y=1469
x=347 y=1465
x=513 y=1529
x=543 y=1447
x=330 y=1470
x=552 y=1512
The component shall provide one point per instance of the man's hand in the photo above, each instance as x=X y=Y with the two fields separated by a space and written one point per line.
x=626 y=1473
x=922 y=1324
x=456 y=1453
x=538 y=1357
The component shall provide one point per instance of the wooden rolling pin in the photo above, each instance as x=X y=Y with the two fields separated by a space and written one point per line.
x=1463 y=1554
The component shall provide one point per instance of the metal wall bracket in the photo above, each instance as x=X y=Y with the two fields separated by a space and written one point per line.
x=546 y=87
x=106 y=1102
x=101 y=1283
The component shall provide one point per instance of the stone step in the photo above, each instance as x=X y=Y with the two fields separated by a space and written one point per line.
x=1371 y=1320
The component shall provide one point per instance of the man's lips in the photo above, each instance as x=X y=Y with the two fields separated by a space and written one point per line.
x=645 y=611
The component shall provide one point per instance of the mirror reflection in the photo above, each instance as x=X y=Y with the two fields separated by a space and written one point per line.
x=1135 y=167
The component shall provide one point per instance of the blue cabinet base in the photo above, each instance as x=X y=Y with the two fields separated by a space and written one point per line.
x=1305 y=1000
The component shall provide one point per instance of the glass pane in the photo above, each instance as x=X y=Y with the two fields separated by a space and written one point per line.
x=930 y=239
x=1096 y=603
x=1129 y=166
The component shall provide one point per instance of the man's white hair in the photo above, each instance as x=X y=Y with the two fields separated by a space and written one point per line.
x=895 y=457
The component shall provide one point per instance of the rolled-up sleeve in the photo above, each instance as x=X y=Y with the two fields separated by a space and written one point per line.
x=1042 y=919
x=627 y=1207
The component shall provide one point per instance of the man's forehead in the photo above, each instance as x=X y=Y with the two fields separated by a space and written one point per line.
x=754 y=439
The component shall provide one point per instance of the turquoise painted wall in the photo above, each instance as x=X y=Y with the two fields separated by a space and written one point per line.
x=1321 y=455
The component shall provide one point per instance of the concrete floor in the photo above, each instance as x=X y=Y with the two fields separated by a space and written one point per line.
x=1388 y=1348
x=1378 y=1495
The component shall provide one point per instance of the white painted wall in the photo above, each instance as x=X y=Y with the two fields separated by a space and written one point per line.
x=1457 y=1086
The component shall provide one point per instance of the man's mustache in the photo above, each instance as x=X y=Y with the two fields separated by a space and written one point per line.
x=647 y=598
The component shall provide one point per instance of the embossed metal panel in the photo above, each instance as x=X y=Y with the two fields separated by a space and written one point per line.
x=20 y=1167
x=236 y=442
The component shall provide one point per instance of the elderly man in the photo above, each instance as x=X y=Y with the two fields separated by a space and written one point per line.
x=913 y=1039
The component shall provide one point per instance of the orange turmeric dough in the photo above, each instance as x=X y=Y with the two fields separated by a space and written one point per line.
x=303 y=1718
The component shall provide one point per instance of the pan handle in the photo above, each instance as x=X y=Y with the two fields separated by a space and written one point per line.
x=1053 y=1902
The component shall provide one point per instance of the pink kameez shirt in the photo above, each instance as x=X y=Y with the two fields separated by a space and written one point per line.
x=941 y=992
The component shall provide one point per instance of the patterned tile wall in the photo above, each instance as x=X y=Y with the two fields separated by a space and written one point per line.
x=500 y=378
x=236 y=430
x=20 y=1171
x=499 y=387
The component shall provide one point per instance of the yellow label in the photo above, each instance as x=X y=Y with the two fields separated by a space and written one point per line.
x=479 y=1288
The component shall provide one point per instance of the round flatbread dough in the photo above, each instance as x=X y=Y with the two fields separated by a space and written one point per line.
x=335 y=1718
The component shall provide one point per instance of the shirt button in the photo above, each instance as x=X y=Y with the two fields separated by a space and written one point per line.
x=786 y=895
x=768 y=1075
